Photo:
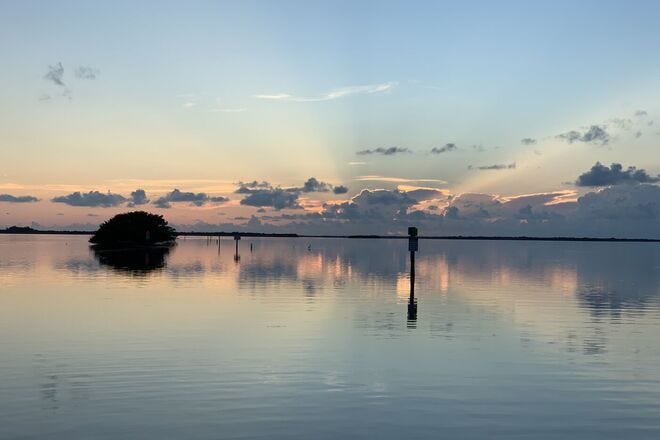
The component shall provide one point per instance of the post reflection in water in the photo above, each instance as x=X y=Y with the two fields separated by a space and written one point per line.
x=412 y=303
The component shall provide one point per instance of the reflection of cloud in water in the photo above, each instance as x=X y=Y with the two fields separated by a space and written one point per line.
x=604 y=276
x=547 y=291
x=376 y=261
x=570 y=303
x=79 y=266
x=619 y=278
x=266 y=270
x=328 y=262
x=544 y=289
x=188 y=270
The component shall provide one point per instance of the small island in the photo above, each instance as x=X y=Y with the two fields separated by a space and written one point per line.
x=134 y=229
x=19 y=230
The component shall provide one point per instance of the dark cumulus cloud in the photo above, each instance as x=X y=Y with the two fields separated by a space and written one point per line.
x=275 y=198
x=528 y=141
x=91 y=199
x=626 y=211
x=446 y=148
x=601 y=175
x=86 y=72
x=17 y=199
x=55 y=75
x=314 y=185
x=596 y=134
x=263 y=194
x=138 y=197
x=195 y=199
x=500 y=166
x=380 y=206
x=250 y=187
x=390 y=151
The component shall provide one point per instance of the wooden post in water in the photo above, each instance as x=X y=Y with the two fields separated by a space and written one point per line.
x=413 y=246
x=237 y=237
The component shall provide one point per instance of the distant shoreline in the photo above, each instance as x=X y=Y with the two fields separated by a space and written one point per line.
x=430 y=237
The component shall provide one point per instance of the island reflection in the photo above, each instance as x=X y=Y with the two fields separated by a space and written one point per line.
x=133 y=261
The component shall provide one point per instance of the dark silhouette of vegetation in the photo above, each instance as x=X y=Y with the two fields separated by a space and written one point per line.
x=137 y=228
x=19 y=230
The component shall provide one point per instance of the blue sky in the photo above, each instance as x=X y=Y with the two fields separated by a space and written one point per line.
x=203 y=95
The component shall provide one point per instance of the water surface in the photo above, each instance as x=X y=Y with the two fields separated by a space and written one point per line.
x=313 y=339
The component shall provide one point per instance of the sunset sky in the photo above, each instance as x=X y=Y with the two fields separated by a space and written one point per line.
x=460 y=117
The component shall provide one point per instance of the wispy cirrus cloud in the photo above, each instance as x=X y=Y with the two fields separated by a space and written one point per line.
x=608 y=131
x=87 y=72
x=333 y=94
x=445 y=148
x=596 y=134
x=389 y=151
x=497 y=167
x=55 y=75
x=376 y=178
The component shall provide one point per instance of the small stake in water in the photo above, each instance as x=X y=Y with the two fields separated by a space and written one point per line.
x=237 y=237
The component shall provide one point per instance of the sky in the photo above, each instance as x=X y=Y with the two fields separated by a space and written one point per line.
x=472 y=118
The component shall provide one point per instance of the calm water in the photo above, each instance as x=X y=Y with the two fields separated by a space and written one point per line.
x=512 y=340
